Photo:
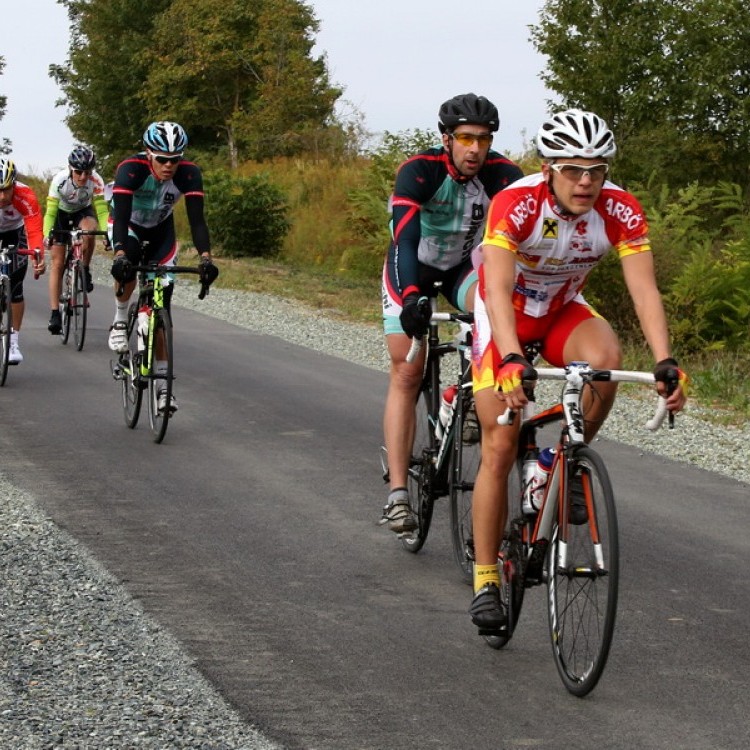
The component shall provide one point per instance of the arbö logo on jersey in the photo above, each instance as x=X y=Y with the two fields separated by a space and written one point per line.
x=624 y=213
x=522 y=210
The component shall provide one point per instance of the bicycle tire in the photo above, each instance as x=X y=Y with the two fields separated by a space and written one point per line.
x=421 y=472
x=6 y=325
x=512 y=559
x=582 y=595
x=79 y=304
x=160 y=420
x=129 y=365
x=465 y=459
x=65 y=305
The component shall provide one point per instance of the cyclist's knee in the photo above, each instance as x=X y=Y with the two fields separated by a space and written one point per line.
x=406 y=376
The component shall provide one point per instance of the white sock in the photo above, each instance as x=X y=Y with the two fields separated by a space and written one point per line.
x=121 y=311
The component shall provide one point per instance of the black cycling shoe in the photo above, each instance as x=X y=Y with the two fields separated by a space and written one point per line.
x=578 y=515
x=487 y=611
x=55 y=323
x=89 y=280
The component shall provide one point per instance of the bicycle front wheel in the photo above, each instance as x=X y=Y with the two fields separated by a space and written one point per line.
x=65 y=305
x=6 y=324
x=79 y=303
x=465 y=460
x=128 y=366
x=421 y=473
x=160 y=385
x=583 y=575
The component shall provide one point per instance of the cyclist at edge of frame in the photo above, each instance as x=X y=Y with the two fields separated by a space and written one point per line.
x=75 y=200
x=21 y=227
x=544 y=236
x=146 y=188
x=438 y=211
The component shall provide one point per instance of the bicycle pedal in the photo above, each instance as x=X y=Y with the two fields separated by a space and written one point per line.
x=493 y=631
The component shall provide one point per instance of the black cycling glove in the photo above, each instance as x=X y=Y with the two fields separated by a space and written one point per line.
x=208 y=271
x=415 y=316
x=122 y=269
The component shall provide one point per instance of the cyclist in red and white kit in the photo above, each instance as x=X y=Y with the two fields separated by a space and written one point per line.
x=544 y=235
x=20 y=227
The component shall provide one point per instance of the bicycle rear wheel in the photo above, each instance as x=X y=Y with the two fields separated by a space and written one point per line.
x=79 y=304
x=129 y=369
x=421 y=473
x=465 y=460
x=6 y=324
x=160 y=419
x=65 y=304
x=582 y=578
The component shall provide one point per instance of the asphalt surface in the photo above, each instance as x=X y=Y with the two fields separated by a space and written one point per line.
x=251 y=535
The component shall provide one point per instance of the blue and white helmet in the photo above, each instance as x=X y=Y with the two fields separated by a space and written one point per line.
x=165 y=137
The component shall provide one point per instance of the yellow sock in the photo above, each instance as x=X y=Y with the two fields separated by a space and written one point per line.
x=485 y=574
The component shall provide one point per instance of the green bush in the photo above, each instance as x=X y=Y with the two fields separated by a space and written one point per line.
x=247 y=216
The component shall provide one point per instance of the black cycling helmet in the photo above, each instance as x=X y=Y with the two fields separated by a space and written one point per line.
x=468 y=108
x=82 y=159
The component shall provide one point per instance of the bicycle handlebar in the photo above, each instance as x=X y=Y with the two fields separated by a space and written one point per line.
x=159 y=270
x=612 y=376
x=8 y=250
x=437 y=317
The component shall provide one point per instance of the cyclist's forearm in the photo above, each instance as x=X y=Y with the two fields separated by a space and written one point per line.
x=102 y=212
x=50 y=214
x=198 y=226
x=121 y=211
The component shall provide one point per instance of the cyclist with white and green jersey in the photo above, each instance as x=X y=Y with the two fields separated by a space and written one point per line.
x=146 y=188
x=75 y=200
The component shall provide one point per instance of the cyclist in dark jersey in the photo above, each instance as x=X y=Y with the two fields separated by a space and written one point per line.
x=438 y=211
x=146 y=189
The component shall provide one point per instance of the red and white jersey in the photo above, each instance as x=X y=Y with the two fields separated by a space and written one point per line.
x=23 y=210
x=555 y=251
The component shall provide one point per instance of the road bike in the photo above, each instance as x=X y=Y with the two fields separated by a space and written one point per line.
x=445 y=453
x=149 y=325
x=74 y=299
x=572 y=543
x=6 y=304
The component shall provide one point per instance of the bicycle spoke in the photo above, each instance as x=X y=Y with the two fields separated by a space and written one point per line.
x=582 y=581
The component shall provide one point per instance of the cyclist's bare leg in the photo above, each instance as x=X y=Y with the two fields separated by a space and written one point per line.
x=18 y=309
x=87 y=243
x=595 y=342
x=399 y=418
x=57 y=262
x=490 y=499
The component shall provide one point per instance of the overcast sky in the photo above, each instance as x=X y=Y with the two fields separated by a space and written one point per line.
x=397 y=60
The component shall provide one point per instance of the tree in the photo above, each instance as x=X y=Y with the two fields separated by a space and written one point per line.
x=670 y=76
x=5 y=146
x=107 y=64
x=242 y=74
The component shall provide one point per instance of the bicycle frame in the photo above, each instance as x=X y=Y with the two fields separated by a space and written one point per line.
x=578 y=558
x=135 y=368
x=432 y=455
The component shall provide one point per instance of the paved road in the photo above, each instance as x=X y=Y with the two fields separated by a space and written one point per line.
x=251 y=534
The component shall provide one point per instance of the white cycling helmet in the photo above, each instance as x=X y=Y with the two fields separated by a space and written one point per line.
x=575 y=133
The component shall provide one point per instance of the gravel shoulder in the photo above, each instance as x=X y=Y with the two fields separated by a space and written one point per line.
x=84 y=667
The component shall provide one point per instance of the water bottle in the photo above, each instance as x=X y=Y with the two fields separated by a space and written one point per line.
x=143 y=315
x=532 y=499
x=446 y=409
